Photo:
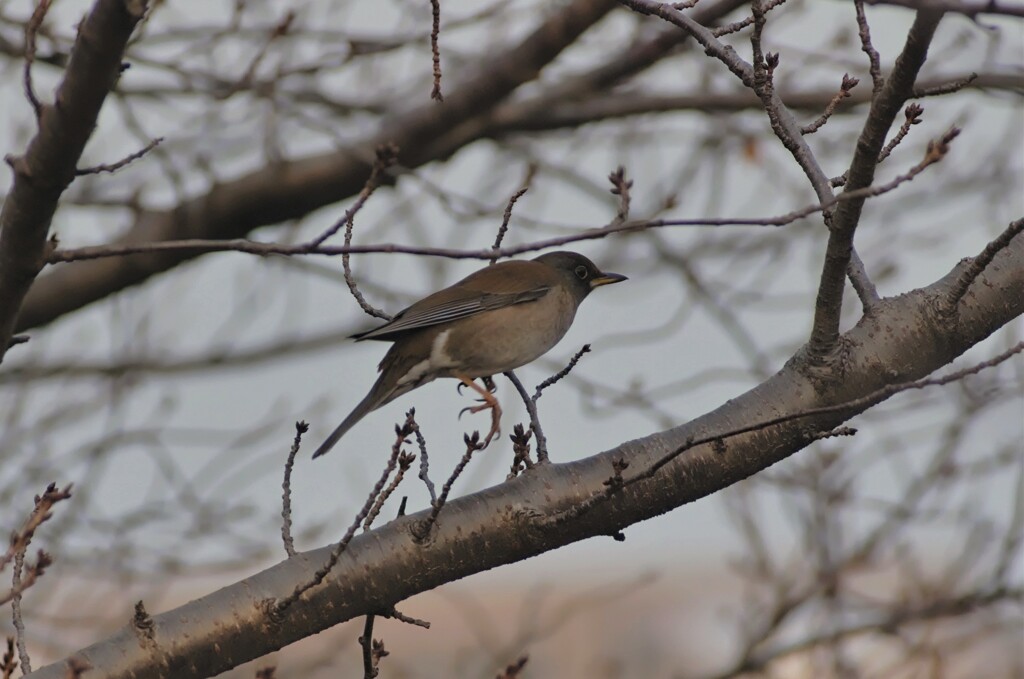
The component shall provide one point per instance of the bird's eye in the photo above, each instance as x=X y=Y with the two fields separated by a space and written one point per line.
x=582 y=273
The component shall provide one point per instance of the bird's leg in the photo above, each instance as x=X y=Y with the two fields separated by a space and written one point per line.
x=488 y=384
x=489 y=402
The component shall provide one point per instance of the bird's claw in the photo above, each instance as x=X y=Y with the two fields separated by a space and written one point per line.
x=495 y=418
x=488 y=381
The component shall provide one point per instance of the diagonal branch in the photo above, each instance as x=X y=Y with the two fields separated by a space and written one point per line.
x=899 y=87
x=49 y=164
x=782 y=120
x=901 y=341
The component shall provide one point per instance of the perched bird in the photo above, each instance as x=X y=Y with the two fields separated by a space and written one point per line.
x=497 y=319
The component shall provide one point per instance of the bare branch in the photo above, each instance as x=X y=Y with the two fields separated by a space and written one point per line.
x=507 y=216
x=838 y=253
x=124 y=162
x=286 y=489
x=978 y=264
x=20 y=541
x=969 y=8
x=617 y=483
x=292 y=189
x=421 y=442
x=898 y=342
x=367 y=643
x=620 y=188
x=435 y=51
x=512 y=670
x=387 y=155
x=48 y=166
x=913 y=117
x=518 y=438
x=946 y=88
x=31 y=29
x=844 y=92
x=277 y=608
x=758 y=78
x=473 y=444
x=874 y=61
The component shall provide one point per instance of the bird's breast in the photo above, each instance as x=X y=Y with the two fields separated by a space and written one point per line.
x=507 y=338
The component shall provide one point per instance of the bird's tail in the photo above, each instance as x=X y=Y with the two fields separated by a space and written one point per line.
x=384 y=391
x=360 y=411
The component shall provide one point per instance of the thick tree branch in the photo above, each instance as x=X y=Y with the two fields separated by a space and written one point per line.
x=970 y=8
x=510 y=118
x=290 y=190
x=49 y=164
x=783 y=123
x=905 y=338
x=899 y=87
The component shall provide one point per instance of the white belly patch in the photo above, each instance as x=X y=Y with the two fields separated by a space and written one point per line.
x=438 y=360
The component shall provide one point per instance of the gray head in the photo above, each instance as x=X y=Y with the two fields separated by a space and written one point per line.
x=580 y=273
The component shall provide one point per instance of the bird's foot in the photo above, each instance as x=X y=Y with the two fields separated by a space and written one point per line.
x=489 y=402
x=488 y=384
x=495 y=409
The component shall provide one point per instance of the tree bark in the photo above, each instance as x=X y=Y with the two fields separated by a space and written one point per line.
x=902 y=339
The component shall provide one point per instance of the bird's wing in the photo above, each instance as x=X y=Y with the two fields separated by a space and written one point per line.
x=434 y=311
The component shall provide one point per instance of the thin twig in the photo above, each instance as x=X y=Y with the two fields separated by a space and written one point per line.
x=844 y=92
x=281 y=605
x=874 y=60
x=424 y=474
x=435 y=50
x=978 y=264
x=402 y=617
x=31 y=30
x=531 y=402
x=620 y=188
x=503 y=229
x=386 y=157
x=40 y=514
x=366 y=641
x=127 y=160
x=279 y=29
x=912 y=116
x=473 y=444
x=531 y=409
x=8 y=664
x=405 y=461
x=266 y=249
x=520 y=449
x=946 y=88
x=286 y=486
x=561 y=373
x=23 y=578
x=737 y=26
x=846 y=217
x=20 y=541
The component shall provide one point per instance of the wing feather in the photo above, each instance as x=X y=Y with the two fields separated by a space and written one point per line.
x=421 y=315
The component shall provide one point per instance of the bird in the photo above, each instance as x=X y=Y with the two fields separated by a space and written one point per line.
x=494 y=320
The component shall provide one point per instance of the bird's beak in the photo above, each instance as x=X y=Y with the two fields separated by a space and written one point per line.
x=606 y=279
